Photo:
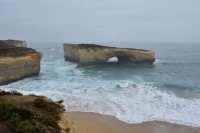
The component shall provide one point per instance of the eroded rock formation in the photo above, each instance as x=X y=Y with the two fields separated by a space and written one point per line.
x=17 y=62
x=86 y=54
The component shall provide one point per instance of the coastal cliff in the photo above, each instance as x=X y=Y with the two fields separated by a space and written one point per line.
x=86 y=54
x=32 y=114
x=17 y=61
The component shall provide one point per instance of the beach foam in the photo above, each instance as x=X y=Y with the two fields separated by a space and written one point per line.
x=129 y=101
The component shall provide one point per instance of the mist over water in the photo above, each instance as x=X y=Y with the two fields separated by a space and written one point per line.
x=167 y=91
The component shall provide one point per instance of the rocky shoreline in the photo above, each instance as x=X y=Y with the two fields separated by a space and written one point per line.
x=27 y=113
x=17 y=61
x=38 y=114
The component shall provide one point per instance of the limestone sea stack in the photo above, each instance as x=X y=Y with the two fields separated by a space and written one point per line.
x=86 y=54
x=17 y=61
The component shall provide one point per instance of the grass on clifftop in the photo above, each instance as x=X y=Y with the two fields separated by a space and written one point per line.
x=28 y=114
x=12 y=51
x=14 y=120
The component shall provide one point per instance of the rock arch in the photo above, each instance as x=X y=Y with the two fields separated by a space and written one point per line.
x=86 y=54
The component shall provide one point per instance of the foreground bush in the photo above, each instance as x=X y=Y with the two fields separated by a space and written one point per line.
x=10 y=115
x=12 y=92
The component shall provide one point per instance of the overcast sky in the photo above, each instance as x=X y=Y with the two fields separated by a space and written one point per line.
x=100 y=20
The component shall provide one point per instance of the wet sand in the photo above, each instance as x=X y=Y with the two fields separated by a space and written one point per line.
x=96 y=123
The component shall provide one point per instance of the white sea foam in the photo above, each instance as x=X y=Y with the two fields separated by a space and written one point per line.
x=113 y=59
x=157 y=61
x=138 y=104
x=52 y=49
x=128 y=101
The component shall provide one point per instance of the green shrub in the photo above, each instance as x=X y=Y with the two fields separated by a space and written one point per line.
x=13 y=121
x=10 y=114
x=25 y=127
x=7 y=110
x=12 y=92
x=40 y=103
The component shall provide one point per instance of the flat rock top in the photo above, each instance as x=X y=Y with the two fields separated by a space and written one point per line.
x=11 y=42
x=95 y=47
x=7 y=50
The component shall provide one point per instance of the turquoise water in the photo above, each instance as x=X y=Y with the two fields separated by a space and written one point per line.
x=167 y=91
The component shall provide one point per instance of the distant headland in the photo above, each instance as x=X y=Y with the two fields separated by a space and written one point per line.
x=17 y=61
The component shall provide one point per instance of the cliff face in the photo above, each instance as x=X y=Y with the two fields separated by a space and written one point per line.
x=17 y=62
x=94 y=54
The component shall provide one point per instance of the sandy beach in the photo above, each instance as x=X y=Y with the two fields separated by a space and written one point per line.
x=96 y=123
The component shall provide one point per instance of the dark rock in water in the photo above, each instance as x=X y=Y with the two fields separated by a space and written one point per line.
x=87 y=54
x=17 y=61
x=118 y=86
x=134 y=85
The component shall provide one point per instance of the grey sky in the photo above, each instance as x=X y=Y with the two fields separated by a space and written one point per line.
x=100 y=20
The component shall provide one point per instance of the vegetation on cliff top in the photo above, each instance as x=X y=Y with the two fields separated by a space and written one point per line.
x=15 y=119
x=93 y=46
x=12 y=92
x=28 y=114
x=7 y=50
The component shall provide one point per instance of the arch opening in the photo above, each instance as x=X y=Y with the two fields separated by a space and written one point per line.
x=113 y=59
x=123 y=59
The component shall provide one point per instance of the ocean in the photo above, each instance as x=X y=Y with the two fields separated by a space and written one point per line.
x=167 y=91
